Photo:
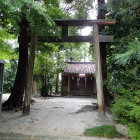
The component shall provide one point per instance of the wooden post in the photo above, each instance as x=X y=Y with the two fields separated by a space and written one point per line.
x=64 y=31
x=99 y=81
x=68 y=85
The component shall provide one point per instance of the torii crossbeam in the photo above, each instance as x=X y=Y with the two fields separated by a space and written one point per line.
x=96 y=39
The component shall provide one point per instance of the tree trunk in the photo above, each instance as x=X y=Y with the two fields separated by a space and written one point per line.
x=44 y=89
x=71 y=53
x=101 y=15
x=101 y=10
x=56 y=84
x=16 y=98
x=29 y=75
x=49 y=85
x=57 y=73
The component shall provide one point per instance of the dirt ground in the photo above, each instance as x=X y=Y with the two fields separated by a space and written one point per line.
x=55 y=116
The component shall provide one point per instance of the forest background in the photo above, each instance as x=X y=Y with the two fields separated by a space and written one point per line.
x=20 y=19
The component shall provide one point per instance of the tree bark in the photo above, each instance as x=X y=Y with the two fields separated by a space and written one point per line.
x=57 y=73
x=16 y=98
x=56 y=84
x=44 y=89
x=71 y=53
x=49 y=85
x=29 y=75
x=101 y=9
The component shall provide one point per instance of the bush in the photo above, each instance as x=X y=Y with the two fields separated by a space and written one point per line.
x=127 y=111
x=134 y=131
x=108 y=131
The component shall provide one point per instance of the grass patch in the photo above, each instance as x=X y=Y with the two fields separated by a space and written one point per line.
x=108 y=131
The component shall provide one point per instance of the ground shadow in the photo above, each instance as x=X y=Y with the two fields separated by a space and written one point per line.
x=87 y=108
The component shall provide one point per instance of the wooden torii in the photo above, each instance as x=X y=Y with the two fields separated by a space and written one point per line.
x=96 y=39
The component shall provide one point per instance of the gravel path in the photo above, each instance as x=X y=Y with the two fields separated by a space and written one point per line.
x=56 y=117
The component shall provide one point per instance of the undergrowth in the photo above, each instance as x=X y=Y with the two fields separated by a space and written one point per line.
x=108 y=131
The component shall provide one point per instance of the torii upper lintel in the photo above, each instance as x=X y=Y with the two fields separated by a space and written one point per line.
x=80 y=22
x=84 y=22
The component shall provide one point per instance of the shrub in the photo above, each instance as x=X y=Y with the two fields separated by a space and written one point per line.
x=127 y=111
x=108 y=131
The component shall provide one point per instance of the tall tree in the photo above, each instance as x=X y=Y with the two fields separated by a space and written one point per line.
x=15 y=100
x=29 y=74
x=123 y=64
x=22 y=18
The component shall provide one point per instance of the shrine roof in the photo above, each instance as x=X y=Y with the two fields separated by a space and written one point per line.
x=80 y=68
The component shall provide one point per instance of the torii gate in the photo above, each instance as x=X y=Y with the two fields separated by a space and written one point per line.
x=96 y=39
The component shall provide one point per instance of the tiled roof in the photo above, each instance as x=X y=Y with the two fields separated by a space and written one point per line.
x=80 y=68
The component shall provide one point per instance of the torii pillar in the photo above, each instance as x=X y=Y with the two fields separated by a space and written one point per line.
x=99 y=79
